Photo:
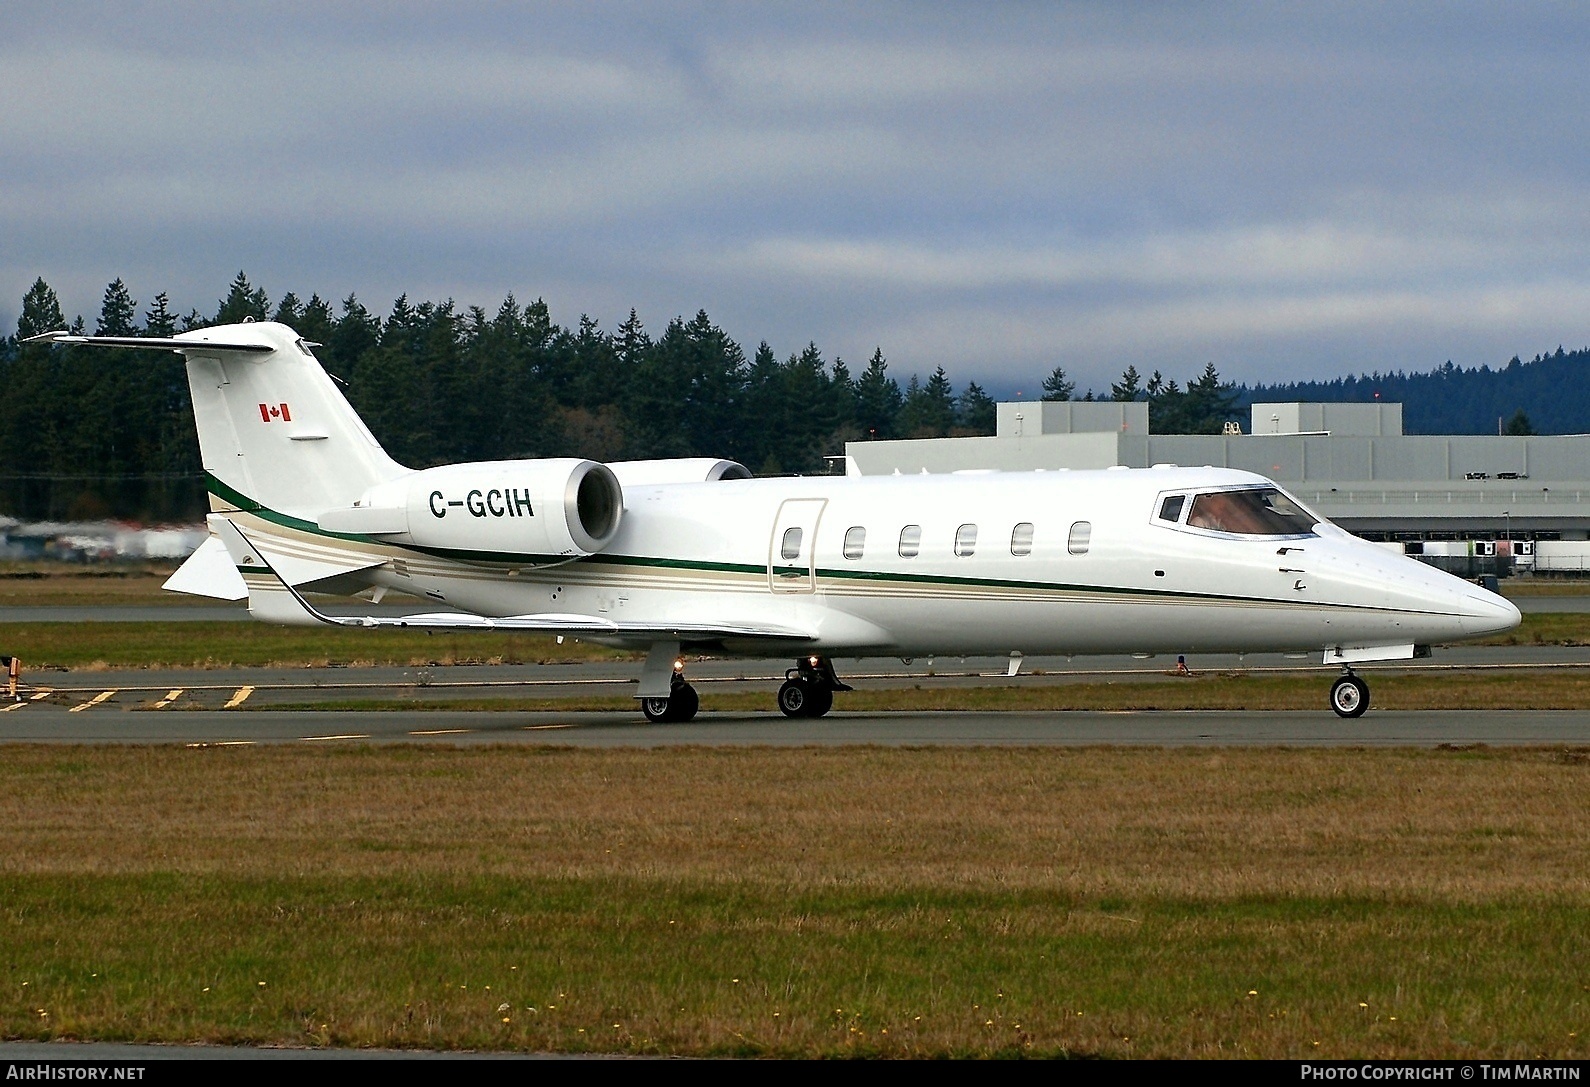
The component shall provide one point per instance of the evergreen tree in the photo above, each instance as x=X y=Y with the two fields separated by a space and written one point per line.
x=975 y=410
x=241 y=302
x=118 y=313
x=1209 y=403
x=929 y=409
x=878 y=399
x=1129 y=388
x=158 y=319
x=41 y=311
x=1519 y=424
x=356 y=334
x=844 y=397
x=316 y=324
x=289 y=311
x=1057 y=387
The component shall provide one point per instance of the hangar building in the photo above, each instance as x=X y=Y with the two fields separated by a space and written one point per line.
x=1471 y=499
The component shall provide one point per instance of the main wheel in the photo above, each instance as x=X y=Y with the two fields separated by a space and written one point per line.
x=683 y=703
x=680 y=705
x=794 y=697
x=1349 y=696
x=820 y=702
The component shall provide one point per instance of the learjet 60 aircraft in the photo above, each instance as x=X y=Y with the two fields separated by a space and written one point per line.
x=693 y=555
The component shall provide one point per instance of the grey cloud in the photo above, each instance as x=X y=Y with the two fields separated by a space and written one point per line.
x=990 y=188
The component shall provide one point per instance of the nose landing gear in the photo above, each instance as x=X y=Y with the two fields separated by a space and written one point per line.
x=1349 y=695
x=809 y=687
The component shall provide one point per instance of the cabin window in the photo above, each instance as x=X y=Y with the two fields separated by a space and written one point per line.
x=1170 y=509
x=791 y=547
x=965 y=540
x=1254 y=511
x=1081 y=533
x=910 y=541
x=1021 y=539
x=855 y=542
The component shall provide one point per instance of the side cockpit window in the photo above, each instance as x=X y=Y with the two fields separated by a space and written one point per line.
x=1170 y=509
x=1252 y=511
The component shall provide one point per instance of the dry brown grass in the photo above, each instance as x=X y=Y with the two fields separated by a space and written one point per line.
x=1186 y=824
x=804 y=902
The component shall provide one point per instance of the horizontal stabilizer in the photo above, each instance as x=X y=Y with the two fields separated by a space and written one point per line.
x=147 y=343
x=300 y=561
x=209 y=571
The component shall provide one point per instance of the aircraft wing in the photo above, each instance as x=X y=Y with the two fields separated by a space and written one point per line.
x=272 y=599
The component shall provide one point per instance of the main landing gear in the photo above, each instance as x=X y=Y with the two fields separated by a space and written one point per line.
x=680 y=705
x=1349 y=695
x=809 y=687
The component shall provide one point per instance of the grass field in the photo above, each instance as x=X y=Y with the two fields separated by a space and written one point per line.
x=226 y=644
x=807 y=902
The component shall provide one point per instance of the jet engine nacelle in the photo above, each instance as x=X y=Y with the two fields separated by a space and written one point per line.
x=512 y=510
x=645 y=473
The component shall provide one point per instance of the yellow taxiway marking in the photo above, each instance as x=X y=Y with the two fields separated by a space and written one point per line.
x=543 y=728
x=12 y=706
x=222 y=743
x=41 y=694
x=239 y=698
x=349 y=736
x=171 y=696
x=441 y=731
x=96 y=700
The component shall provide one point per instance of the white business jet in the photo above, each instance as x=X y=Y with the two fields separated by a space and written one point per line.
x=694 y=555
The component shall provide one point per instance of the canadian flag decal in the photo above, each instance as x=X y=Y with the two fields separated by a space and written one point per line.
x=270 y=412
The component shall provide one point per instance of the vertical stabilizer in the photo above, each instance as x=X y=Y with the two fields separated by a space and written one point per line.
x=274 y=430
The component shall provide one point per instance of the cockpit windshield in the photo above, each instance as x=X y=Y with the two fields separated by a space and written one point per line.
x=1253 y=511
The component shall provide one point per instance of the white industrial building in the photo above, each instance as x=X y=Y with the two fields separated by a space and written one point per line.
x=1461 y=500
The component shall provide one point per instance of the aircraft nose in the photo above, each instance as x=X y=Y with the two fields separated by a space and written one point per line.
x=1487 y=613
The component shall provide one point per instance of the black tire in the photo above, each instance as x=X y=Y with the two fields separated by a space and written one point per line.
x=1349 y=697
x=794 y=697
x=680 y=705
x=820 y=702
x=683 y=703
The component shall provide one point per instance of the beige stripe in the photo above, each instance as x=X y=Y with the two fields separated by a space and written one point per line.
x=96 y=700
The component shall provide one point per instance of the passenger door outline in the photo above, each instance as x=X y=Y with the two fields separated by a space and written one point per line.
x=797 y=574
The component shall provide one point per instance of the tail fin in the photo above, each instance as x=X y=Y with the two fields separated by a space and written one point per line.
x=274 y=431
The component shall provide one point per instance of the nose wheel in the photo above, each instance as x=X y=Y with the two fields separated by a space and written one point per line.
x=809 y=687
x=1349 y=696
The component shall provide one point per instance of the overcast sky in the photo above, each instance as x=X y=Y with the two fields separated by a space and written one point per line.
x=1290 y=190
